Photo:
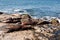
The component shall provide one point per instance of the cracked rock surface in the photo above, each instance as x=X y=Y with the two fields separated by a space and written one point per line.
x=24 y=27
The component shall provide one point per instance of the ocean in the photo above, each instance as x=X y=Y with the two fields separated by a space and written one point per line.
x=36 y=8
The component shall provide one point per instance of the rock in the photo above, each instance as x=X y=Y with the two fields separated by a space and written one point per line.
x=9 y=18
x=25 y=16
x=58 y=20
x=44 y=22
x=37 y=29
x=27 y=27
x=45 y=26
x=41 y=29
x=12 y=20
x=1 y=13
x=42 y=38
x=17 y=15
x=3 y=28
x=35 y=21
x=26 y=22
x=54 y=22
x=7 y=27
x=13 y=27
x=19 y=35
x=46 y=18
x=57 y=37
x=39 y=21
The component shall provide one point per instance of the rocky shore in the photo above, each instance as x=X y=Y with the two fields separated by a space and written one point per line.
x=24 y=27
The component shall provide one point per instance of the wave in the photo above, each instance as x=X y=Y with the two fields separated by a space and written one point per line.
x=34 y=12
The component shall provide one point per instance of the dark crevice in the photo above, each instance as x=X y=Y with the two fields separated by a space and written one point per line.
x=20 y=29
x=44 y=22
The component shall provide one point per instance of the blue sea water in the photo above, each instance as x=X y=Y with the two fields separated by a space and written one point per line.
x=36 y=8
